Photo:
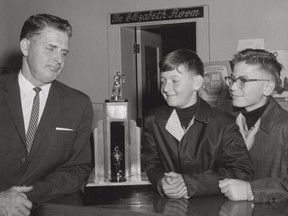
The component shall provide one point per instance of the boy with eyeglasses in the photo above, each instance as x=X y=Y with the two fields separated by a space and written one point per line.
x=263 y=125
x=188 y=146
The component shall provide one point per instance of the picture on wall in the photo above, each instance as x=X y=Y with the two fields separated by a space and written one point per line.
x=282 y=57
x=281 y=93
x=214 y=87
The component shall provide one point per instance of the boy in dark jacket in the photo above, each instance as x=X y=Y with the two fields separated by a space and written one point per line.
x=187 y=146
x=263 y=124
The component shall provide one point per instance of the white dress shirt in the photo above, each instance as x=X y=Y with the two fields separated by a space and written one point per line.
x=27 y=95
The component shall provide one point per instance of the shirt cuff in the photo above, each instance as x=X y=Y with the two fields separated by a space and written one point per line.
x=250 y=196
x=159 y=188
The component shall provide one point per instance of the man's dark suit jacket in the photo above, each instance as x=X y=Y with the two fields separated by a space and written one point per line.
x=60 y=159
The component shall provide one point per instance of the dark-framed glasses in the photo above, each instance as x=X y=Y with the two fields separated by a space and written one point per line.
x=240 y=81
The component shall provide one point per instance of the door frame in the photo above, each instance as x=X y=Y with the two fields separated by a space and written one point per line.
x=114 y=40
x=141 y=69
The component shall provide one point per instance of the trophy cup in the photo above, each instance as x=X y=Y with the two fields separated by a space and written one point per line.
x=117 y=131
x=117 y=141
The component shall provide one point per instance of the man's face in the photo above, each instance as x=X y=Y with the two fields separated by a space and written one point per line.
x=178 y=88
x=251 y=96
x=45 y=56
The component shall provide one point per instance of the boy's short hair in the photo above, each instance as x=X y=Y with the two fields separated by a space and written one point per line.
x=265 y=60
x=185 y=57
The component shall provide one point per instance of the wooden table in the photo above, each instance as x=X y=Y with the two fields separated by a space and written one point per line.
x=66 y=210
x=141 y=200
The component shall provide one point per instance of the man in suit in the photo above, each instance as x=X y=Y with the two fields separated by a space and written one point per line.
x=263 y=125
x=44 y=157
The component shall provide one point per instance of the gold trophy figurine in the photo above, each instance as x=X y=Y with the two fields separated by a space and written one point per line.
x=119 y=79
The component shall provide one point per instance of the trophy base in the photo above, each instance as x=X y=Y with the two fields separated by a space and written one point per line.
x=118 y=179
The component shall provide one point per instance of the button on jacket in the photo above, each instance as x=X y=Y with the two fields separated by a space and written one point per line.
x=211 y=149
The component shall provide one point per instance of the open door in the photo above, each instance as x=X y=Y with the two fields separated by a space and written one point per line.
x=141 y=52
x=128 y=68
x=148 y=57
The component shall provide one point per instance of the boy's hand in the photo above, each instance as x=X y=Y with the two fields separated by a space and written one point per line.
x=235 y=189
x=173 y=185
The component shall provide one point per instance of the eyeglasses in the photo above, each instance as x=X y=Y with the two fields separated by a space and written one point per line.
x=240 y=81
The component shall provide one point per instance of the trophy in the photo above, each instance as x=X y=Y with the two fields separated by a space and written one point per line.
x=117 y=141
x=117 y=125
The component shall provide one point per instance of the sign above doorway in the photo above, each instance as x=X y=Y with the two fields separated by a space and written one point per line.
x=157 y=15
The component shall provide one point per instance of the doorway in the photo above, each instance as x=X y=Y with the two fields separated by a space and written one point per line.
x=154 y=42
x=135 y=50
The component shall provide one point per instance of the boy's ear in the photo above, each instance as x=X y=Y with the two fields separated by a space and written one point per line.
x=269 y=88
x=24 y=46
x=198 y=81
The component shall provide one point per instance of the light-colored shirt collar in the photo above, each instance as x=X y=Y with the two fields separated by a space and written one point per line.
x=248 y=135
x=173 y=126
x=26 y=86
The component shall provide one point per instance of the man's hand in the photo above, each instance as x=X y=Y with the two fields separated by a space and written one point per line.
x=234 y=189
x=14 y=202
x=173 y=185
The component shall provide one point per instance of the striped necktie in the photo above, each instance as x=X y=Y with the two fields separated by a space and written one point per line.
x=33 y=123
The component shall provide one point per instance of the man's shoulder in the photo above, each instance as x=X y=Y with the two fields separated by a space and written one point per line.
x=68 y=91
x=6 y=78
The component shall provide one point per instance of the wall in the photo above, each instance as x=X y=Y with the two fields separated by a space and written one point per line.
x=87 y=64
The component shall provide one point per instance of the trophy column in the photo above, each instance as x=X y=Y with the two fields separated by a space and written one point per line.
x=116 y=137
x=116 y=143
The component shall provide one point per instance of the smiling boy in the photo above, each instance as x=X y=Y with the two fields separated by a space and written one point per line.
x=187 y=146
x=263 y=124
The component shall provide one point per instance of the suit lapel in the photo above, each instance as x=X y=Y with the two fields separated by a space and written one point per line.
x=13 y=100
x=52 y=107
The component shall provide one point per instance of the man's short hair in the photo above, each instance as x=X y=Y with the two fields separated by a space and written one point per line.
x=36 y=23
x=265 y=60
x=188 y=58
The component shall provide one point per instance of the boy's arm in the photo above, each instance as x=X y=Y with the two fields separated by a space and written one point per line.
x=237 y=165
